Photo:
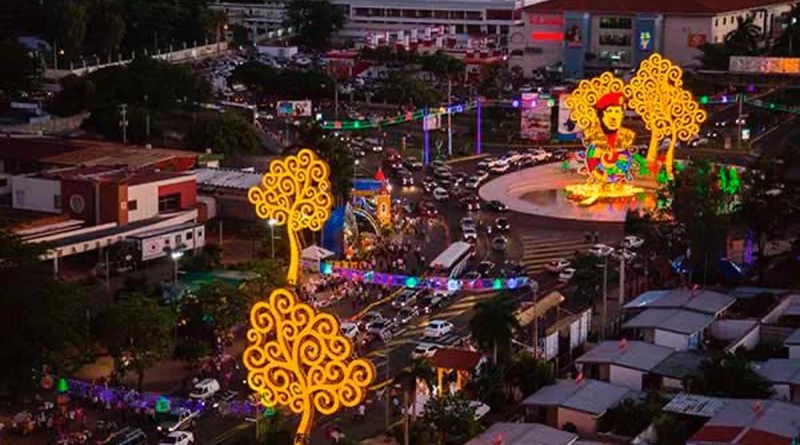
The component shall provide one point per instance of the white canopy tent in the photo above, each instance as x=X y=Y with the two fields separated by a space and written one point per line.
x=312 y=255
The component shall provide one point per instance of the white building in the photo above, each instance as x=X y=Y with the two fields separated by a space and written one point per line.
x=628 y=364
x=590 y=36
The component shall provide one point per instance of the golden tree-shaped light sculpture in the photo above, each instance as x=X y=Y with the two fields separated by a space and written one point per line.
x=298 y=357
x=656 y=93
x=581 y=100
x=296 y=192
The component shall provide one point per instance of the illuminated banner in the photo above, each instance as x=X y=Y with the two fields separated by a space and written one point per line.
x=764 y=65
x=567 y=129
x=534 y=118
x=294 y=108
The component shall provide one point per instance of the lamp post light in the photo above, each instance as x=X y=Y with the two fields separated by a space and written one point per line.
x=272 y=224
x=355 y=169
x=176 y=254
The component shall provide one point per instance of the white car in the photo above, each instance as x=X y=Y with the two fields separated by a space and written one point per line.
x=485 y=164
x=601 y=250
x=556 y=266
x=424 y=350
x=540 y=155
x=178 y=438
x=500 y=167
x=626 y=254
x=469 y=234
x=440 y=194
x=566 y=274
x=632 y=242
x=499 y=243
x=350 y=330
x=371 y=317
x=472 y=183
x=481 y=175
x=467 y=223
x=204 y=389
x=438 y=328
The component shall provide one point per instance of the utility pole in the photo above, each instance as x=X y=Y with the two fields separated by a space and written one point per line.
x=55 y=56
x=622 y=282
x=739 y=122
x=147 y=118
x=108 y=274
x=336 y=98
x=605 y=298
x=405 y=417
x=449 y=117
x=123 y=122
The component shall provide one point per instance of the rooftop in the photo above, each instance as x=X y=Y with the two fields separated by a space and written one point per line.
x=680 y=364
x=794 y=339
x=750 y=422
x=589 y=396
x=780 y=370
x=100 y=173
x=704 y=301
x=694 y=405
x=674 y=7
x=453 y=358
x=635 y=354
x=235 y=179
x=524 y=434
x=673 y=320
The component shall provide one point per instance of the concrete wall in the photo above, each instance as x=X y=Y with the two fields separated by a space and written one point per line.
x=585 y=423
x=627 y=377
x=671 y=339
x=55 y=125
x=536 y=53
x=749 y=339
x=672 y=384
x=794 y=351
x=775 y=314
x=731 y=329
x=676 y=38
x=146 y=197
x=37 y=194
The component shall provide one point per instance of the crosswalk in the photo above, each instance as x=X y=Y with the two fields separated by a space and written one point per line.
x=538 y=250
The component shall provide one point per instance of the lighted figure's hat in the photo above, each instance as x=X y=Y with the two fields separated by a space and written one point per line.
x=379 y=176
x=609 y=99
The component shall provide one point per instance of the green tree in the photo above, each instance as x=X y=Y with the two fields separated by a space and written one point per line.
x=493 y=325
x=631 y=416
x=256 y=76
x=271 y=274
x=729 y=376
x=452 y=418
x=588 y=278
x=240 y=35
x=105 y=27
x=715 y=56
x=402 y=87
x=338 y=156
x=226 y=133
x=213 y=310
x=418 y=371
x=65 y=23
x=314 y=20
x=19 y=71
x=788 y=44
x=138 y=332
x=442 y=65
x=529 y=374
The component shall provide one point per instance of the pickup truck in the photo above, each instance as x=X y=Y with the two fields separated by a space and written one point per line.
x=177 y=420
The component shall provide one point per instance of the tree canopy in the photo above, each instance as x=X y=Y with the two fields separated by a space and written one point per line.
x=452 y=419
x=493 y=325
x=264 y=80
x=19 y=71
x=227 y=133
x=729 y=376
x=314 y=20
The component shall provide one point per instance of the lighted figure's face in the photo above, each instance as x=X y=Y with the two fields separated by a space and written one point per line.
x=612 y=117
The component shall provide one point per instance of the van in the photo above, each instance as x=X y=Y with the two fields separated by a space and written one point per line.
x=204 y=389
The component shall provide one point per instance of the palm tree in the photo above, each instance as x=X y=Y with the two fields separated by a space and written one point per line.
x=789 y=41
x=418 y=370
x=745 y=40
x=493 y=325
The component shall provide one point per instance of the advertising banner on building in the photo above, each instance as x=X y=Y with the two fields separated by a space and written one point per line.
x=764 y=65
x=567 y=130
x=294 y=108
x=535 y=118
x=432 y=122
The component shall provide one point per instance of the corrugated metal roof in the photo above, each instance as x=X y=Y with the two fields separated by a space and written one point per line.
x=793 y=339
x=235 y=179
x=635 y=355
x=694 y=405
x=673 y=320
x=589 y=396
x=524 y=434
x=780 y=370
x=699 y=301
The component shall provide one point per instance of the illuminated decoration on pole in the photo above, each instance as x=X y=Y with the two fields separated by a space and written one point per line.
x=162 y=405
x=296 y=192
x=298 y=357
x=62 y=385
x=597 y=107
x=656 y=93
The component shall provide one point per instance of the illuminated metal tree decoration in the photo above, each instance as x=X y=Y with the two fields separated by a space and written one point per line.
x=298 y=358
x=656 y=93
x=582 y=100
x=297 y=192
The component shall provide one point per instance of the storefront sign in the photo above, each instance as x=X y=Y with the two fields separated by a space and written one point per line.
x=574 y=37
x=765 y=65
x=546 y=20
x=695 y=40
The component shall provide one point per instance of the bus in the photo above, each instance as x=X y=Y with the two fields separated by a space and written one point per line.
x=453 y=261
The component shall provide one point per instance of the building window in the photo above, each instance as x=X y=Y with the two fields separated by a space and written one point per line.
x=616 y=23
x=4 y=182
x=716 y=22
x=724 y=21
x=57 y=202
x=133 y=205
x=169 y=202
x=613 y=39
x=188 y=236
x=199 y=233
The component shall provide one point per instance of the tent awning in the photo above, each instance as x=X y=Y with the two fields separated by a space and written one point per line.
x=315 y=253
x=538 y=309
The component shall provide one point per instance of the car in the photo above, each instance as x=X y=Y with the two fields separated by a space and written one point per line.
x=438 y=328
x=224 y=398
x=394 y=166
x=406 y=179
x=628 y=255
x=393 y=156
x=513 y=155
x=469 y=235
x=556 y=266
x=566 y=274
x=481 y=175
x=371 y=317
x=471 y=203
x=440 y=194
x=445 y=183
x=412 y=163
x=467 y=223
x=525 y=160
x=499 y=243
x=500 y=167
x=178 y=419
x=502 y=224
x=204 y=389
x=632 y=242
x=442 y=173
x=359 y=153
x=429 y=302
x=512 y=269
x=699 y=142
x=436 y=164
x=601 y=250
x=429 y=186
x=350 y=330
x=497 y=206
x=406 y=314
x=485 y=268
x=424 y=350
x=472 y=183
x=379 y=327
x=539 y=155
x=526 y=88
x=127 y=436
x=428 y=209
x=377 y=148
x=486 y=163
x=406 y=298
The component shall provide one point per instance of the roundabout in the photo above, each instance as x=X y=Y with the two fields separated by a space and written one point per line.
x=541 y=191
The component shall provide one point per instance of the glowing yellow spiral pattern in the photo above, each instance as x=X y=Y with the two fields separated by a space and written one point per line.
x=582 y=100
x=298 y=358
x=296 y=191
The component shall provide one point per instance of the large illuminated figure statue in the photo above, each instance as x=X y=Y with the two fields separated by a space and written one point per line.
x=608 y=158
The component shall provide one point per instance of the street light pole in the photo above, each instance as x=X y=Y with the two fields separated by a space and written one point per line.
x=449 y=117
x=622 y=281
x=355 y=169
x=272 y=223
x=605 y=298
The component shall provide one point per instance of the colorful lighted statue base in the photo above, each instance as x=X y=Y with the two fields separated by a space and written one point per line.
x=597 y=106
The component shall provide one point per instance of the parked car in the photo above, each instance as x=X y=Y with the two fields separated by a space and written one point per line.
x=632 y=242
x=350 y=330
x=486 y=163
x=471 y=203
x=429 y=302
x=500 y=167
x=497 y=206
x=556 y=266
x=601 y=250
x=499 y=243
x=424 y=350
x=406 y=314
x=469 y=235
x=472 y=183
x=412 y=163
x=440 y=194
x=406 y=298
x=481 y=175
x=502 y=224
x=204 y=389
x=566 y=274
x=178 y=438
x=438 y=328
x=177 y=420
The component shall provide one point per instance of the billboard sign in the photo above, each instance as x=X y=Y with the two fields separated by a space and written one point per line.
x=294 y=108
x=567 y=130
x=535 y=118
x=764 y=65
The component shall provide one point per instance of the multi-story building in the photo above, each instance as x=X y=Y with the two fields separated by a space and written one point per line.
x=586 y=36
